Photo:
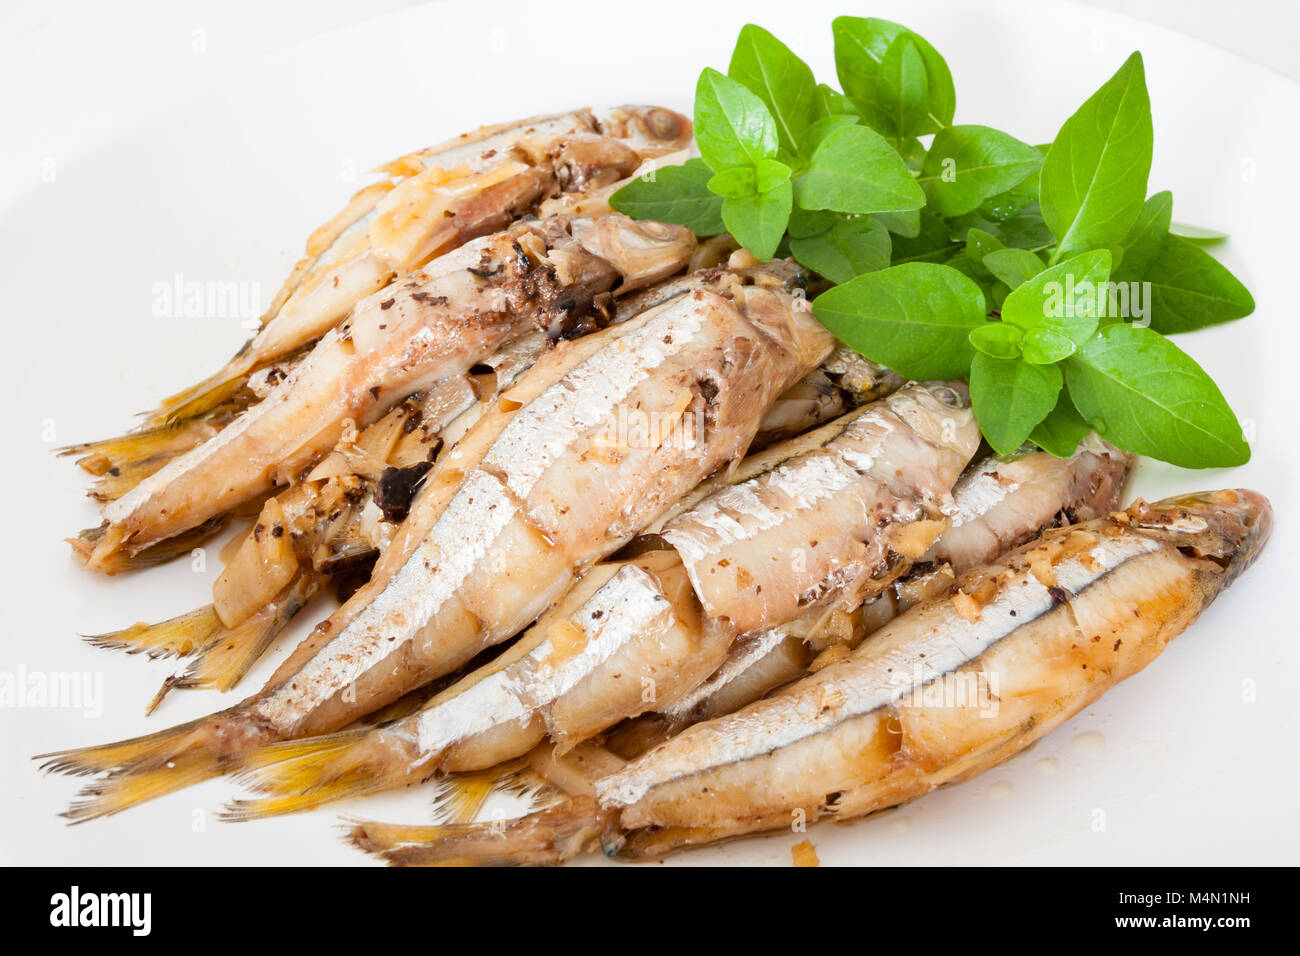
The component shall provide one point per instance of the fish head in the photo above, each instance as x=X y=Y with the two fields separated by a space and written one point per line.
x=643 y=251
x=587 y=161
x=1104 y=471
x=866 y=380
x=940 y=412
x=771 y=299
x=1228 y=528
x=650 y=130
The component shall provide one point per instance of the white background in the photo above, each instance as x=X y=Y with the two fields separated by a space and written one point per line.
x=149 y=139
x=74 y=70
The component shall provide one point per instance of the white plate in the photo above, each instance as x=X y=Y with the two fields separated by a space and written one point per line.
x=1199 y=750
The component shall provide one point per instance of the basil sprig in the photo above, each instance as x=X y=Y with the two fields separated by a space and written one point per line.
x=1043 y=274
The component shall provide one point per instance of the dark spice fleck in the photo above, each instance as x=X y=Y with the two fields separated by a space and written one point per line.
x=397 y=488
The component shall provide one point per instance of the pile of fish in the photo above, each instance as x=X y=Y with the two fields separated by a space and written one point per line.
x=616 y=527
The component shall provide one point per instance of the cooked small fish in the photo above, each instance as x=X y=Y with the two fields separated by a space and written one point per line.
x=332 y=523
x=337 y=519
x=1000 y=503
x=756 y=552
x=843 y=382
x=532 y=496
x=1054 y=624
x=434 y=202
x=634 y=636
x=550 y=275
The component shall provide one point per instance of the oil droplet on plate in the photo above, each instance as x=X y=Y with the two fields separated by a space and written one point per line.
x=1047 y=766
x=1089 y=744
x=900 y=824
x=1000 y=789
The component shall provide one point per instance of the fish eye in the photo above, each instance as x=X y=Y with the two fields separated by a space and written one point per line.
x=662 y=124
x=653 y=230
x=946 y=395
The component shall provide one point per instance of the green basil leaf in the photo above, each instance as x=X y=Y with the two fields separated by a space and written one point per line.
x=1009 y=397
x=770 y=173
x=998 y=293
x=676 y=194
x=1061 y=431
x=904 y=89
x=780 y=79
x=1066 y=299
x=855 y=170
x=978 y=245
x=1006 y=204
x=1023 y=229
x=1188 y=289
x=809 y=222
x=933 y=241
x=732 y=125
x=850 y=247
x=913 y=153
x=861 y=45
x=906 y=224
x=734 y=183
x=1197 y=234
x=758 y=222
x=966 y=165
x=915 y=318
x=824 y=127
x=1147 y=234
x=1094 y=178
x=979 y=275
x=1015 y=267
x=1047 y=347
x=997 y=340
x=1144 y=394
x=828 y=101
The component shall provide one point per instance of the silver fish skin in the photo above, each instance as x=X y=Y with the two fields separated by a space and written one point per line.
x=1053 y=624
x=892 y=463
x=338 y=516
x=334 y=517
x=434 y=202
x=535 y=493
x=1047 y=629
x=439 y=198
x=396 y=343
x=341 y=267
x=643 y=639
x=546 y=499
x=625 y=633
x=1001 y=502
x=633 y=636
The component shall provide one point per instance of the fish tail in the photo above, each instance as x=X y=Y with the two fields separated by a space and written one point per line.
x=179 y=636
x=101 y=548
x=544 y=838
x=301 y=774
x=101 y=456
x=139 y=769
x=120 y=479
x=229 y=653
x=460 y=797
x=123 y=790
x=206 y=396
x=120 y=755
